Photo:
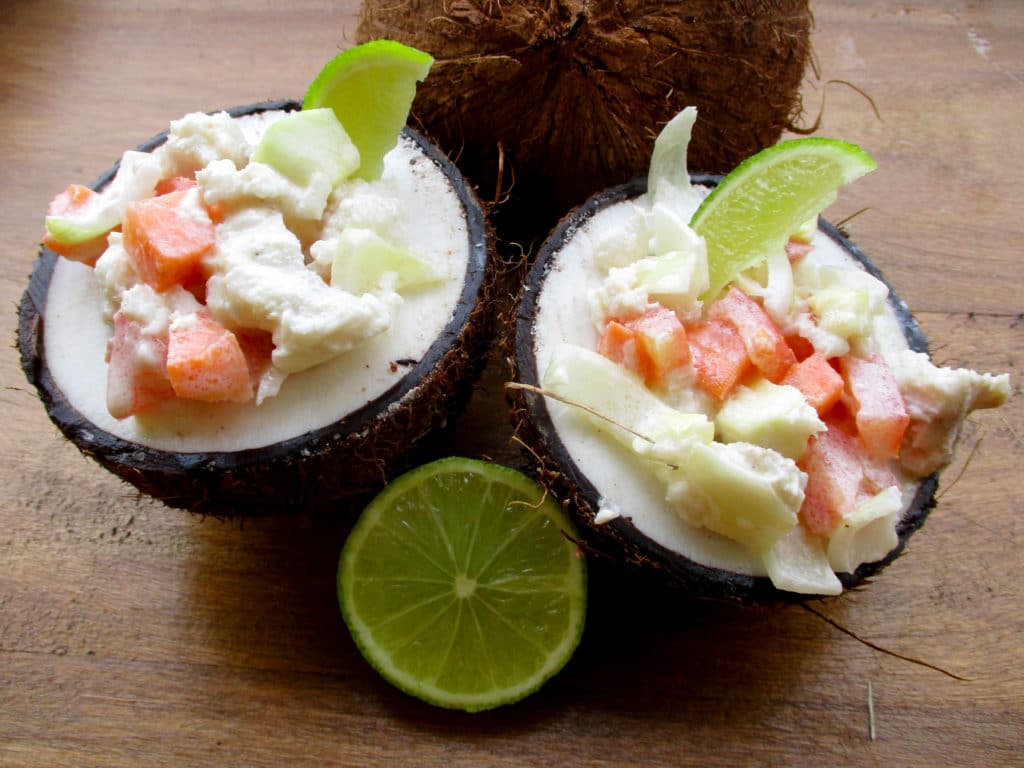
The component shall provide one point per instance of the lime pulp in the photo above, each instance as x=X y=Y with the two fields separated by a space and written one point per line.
x=461 y=585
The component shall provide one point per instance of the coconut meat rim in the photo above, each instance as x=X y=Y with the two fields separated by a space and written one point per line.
x=435 y=215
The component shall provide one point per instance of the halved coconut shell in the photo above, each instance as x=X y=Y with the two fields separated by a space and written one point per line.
x=314 y=469
x=619 y=538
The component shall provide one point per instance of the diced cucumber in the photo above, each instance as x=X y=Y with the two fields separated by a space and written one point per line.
x=774 y=416
x=675 y=279
x=845 y=300
x=867 y=535
x=797 y=563
x=844 y=312
x=304 y=143
x=747 y=493
x=363 y=259
x=606 y=388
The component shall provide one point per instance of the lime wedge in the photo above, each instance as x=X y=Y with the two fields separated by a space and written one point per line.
x=459 y=587
x=370 y=87
x=769 y=196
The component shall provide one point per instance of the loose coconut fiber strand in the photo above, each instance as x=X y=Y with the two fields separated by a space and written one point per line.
x=565 y=98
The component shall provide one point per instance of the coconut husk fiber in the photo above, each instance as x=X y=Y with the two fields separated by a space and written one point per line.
x=543 y=103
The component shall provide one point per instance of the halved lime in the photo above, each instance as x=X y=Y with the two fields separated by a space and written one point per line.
x=371 y=88
x=461 y=586
x=769 y=196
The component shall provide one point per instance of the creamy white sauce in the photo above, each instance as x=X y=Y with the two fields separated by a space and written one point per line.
x=75 y=335
x=623 y=480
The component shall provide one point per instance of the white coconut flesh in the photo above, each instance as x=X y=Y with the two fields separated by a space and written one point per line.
x=624 y=481
x=75 y=334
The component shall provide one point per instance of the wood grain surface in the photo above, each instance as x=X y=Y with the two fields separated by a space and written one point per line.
x=134 y=635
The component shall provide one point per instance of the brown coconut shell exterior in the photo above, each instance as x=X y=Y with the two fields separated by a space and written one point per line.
x=619 y=540
x=320 y=471
x=545 y=103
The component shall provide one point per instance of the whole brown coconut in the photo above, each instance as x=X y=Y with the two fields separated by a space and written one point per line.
x=544 y=103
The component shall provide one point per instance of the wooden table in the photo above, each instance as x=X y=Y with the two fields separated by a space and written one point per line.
x=131 y=634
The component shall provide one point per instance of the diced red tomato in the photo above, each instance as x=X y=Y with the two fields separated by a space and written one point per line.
x=136 y=369
x=819 y=382
x=839 y=477
x=215 y=211
x=257 y=347
x=834 y=474
x=763 y=340
x=205 y=362
x=651 y=344
x=618 y=344
x=660 y=343
x=72 y=199
x=876 y=403
x=802 y=348
x=174 y=184
x=718 y=355
x=796 y=249
x=196 y=285
x=165 y=244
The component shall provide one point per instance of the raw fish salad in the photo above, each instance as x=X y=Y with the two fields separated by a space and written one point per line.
x=233 y=256
x=785 y=417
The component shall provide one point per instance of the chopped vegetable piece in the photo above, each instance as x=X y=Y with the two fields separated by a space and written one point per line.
x=257 y=346
x=876 y=403
x=769 y=415
x=306 y=144
x=618 y=344
x=819 y=382
x=742 y=491
x=660 y=343
x=364 y=260
x=205 y=361
x=834 y=476
x=839 y=478
x=73 y=199
x=868 y=534
x=802 y=348
x=798 y=562
x=137 y=369
x=164 y=242
x=174 y=184
x=718 y=355
x=797 y=249
x=617 y=402
x=762 y=338
x=178 y=183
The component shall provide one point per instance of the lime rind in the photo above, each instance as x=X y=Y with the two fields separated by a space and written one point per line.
x=769 y=196
x=371 y=88
x=527 y=610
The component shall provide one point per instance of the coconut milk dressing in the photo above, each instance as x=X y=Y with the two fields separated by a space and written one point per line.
x=348 y=353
